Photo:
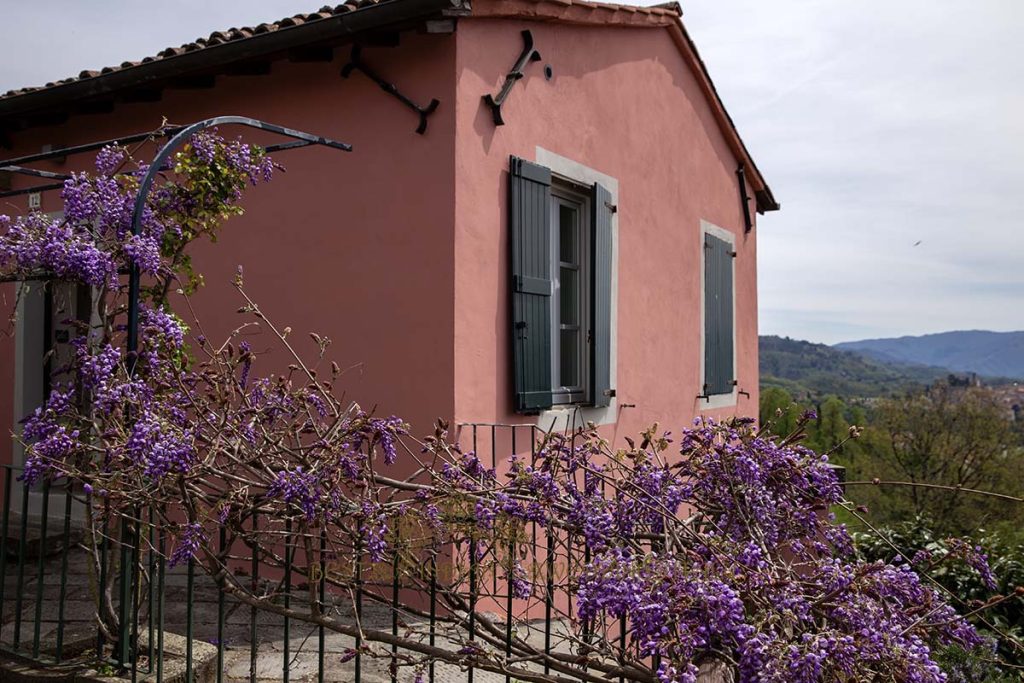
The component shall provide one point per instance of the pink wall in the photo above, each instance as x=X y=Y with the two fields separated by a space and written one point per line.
x=397 y=251
x=622 y=102
x=355 y=246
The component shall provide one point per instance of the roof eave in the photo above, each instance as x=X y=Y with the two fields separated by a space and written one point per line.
x=374 y=17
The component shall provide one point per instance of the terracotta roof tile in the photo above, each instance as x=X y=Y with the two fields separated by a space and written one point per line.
x=215 y=38
x=325 y=12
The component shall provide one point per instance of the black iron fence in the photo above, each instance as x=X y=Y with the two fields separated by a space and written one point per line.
x=59 y=578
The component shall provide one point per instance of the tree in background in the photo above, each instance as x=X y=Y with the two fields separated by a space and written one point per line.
x=946 y=436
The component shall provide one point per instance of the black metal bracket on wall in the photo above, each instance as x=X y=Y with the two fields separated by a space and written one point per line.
x=741 y=176
x=529 y=54
x=356 y=63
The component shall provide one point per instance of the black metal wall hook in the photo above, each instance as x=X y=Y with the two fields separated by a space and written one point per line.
x=529 y=54
x=356 y=62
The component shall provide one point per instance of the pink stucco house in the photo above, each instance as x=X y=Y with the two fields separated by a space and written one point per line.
x=588 y=252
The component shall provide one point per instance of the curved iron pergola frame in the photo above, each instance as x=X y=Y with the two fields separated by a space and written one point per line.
x=177 y=136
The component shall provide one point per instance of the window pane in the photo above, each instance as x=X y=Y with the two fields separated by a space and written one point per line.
x=570 y=353
x=568 y=229
x=569 y=285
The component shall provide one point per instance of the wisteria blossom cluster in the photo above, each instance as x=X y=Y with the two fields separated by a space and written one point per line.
x=92 y=242
x=720 y=547
x=713 y=546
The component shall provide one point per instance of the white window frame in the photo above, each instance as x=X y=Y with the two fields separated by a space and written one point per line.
x=564 y=192
x=715 y=401
x=562 y=417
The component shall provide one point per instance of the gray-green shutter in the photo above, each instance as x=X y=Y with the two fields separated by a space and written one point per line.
x=601 y=297
x=718 y=332
x=529 y=202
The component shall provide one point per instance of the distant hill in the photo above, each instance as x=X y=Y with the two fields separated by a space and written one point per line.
x=986 y=353
x=806 y=369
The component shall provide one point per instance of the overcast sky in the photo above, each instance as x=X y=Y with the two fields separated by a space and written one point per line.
x=878 y=124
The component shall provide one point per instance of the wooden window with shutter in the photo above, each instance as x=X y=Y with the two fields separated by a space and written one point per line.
x=561 y=262
x=719 y=373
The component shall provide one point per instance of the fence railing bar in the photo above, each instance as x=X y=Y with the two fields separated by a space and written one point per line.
x=162 y=569
x=64 y=552
x=433 y=610
x=255 y=584
x=220 y=611
x=549 y=596
x=472 y=575
x=622 y=646
x=104 y=543
x=322 y=598
x=394 y=606
x=20 y=586
x=136 y=571
x=190 y=593
x=472 y=601
x=150 y=598
x=41 y=570
x=124 y=608
x=286 y=650
x=4 y=528
x=511 y=567
x=359 y=607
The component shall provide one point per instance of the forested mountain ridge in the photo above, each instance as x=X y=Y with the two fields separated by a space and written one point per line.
x=979 y=351
x=806 y=369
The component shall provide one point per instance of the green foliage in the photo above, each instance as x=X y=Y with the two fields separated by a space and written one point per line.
x=962 y=666
x=927 y=445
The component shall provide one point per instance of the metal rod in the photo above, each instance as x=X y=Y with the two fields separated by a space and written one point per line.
x=254 y=584
x=472 y=601
x=356 y=63
x=65 y=551
x=549 y=597
x=511 y=568
x=31 y=190
x=359 y=606
x=88 y=147
x=220 y=611
x=34 y=172
x=5 y=526
x=136 y=596
x=160 y=606
x=190 y=583
x=433 y=609
x=394 y=608
x=41 y=569
x=741 y=176
x=322 y=595
x=124 y=611
x=287 y=596
x=19 y=590
x=104 y=528
x=529 y=54
x=151 y=596
x=472 y=576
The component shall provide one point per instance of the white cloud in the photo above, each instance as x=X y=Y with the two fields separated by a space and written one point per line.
x=879 y=124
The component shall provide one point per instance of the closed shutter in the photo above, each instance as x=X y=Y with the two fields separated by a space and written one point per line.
x=718 y=314
x=529 y=201
x=601 y=297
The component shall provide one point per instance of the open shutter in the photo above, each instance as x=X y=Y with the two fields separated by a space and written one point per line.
x=718 y=332
x=529 y=202
x=601 y=298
